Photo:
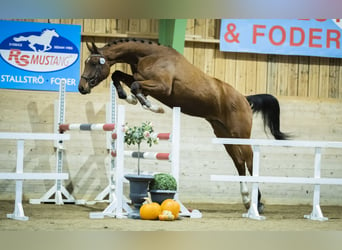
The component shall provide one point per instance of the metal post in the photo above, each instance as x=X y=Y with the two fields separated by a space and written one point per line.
x=175 y=143
x=119 y=162
x=316 y=213
x=253 y=212
x=18 y=213
x=58 y=190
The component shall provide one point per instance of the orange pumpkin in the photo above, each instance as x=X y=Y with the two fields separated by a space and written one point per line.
x=150 y=210
x=171 y=205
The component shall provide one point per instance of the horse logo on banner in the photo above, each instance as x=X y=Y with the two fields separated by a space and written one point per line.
x=44 y=39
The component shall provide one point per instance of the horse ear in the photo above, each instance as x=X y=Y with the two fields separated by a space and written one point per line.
x=89 y=48
x=93 y=49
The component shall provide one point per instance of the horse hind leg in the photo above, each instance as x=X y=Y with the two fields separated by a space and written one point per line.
x=237 y=152
x=238 y=155
x=243 y=158
x=245 y=195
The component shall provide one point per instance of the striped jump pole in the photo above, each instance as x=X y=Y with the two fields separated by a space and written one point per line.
x=160 y=136
x=146 y=155
x=87 y=127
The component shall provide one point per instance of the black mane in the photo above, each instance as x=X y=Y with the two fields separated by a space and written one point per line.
x=126 y=40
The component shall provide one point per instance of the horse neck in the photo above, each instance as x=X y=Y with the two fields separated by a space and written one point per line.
x=128 y=52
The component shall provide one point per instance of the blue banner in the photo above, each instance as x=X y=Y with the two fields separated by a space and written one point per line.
x=306 y=37
x=38 y=56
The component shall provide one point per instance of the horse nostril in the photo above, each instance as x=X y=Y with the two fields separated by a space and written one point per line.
x=83 y=90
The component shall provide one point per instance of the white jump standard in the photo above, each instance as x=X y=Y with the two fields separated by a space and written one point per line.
x=253 y=213
x=19 y=176
x=115 y=123
x=119 y=204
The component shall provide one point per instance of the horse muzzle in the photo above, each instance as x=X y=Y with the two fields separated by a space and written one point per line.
x=83 y=86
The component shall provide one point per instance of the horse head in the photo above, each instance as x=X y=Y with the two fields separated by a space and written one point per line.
x=51 y=32
x=96 y=69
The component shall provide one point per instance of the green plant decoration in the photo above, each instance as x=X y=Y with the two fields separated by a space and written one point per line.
x=136 y=134
x=163 y=181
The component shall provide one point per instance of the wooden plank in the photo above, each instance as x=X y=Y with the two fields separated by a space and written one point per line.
x=209 y=66
x=230 y=75
x=100 y=25
x=313 y=88
x=123 y=25
x=111 y=26
x=145 y=26
x=189 y=46
x=53 y=21
x=66 y=21
x=189 y=52
x=334 y=69
x=199 y=49
x=42 y=20
x=324 y=77
x=282 y=76
x=89 y=25
x=303 y=76
x=261 y=73
x=134 y=25
x=154 y=26
x=220 y=65
x=292 y=77
x=241 y=72
x=213 y=29
x=79 y=22
x=251 y=74
x=272 y=73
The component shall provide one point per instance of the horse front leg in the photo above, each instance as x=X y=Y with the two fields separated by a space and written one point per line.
x=119 y=76
x=136 y=89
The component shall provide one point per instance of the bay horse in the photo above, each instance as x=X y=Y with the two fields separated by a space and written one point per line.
x=167 y=76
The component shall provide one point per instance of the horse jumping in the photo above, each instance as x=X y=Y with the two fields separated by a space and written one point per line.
x=167 y=76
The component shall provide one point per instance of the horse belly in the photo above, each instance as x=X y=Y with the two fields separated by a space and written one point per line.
x=190 y=106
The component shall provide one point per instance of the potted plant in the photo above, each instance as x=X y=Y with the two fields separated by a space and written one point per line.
x=162 y=187
x=138 y=182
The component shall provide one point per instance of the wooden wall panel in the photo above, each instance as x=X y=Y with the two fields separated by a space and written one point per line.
x=279 y=75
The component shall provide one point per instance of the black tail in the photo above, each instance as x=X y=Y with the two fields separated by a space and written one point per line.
x=268 y=105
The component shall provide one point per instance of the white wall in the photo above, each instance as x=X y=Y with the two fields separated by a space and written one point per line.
x=86 y=154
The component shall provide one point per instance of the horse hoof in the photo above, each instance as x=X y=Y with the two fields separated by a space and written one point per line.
x=155 y=109
x=261 y=208
x=160 y=110
x=247 y=204
x=131 y=99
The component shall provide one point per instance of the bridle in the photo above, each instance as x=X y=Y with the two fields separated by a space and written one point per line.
x=90 y=80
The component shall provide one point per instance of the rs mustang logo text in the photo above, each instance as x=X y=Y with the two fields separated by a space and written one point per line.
x=44 y=51
x=16 y=56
